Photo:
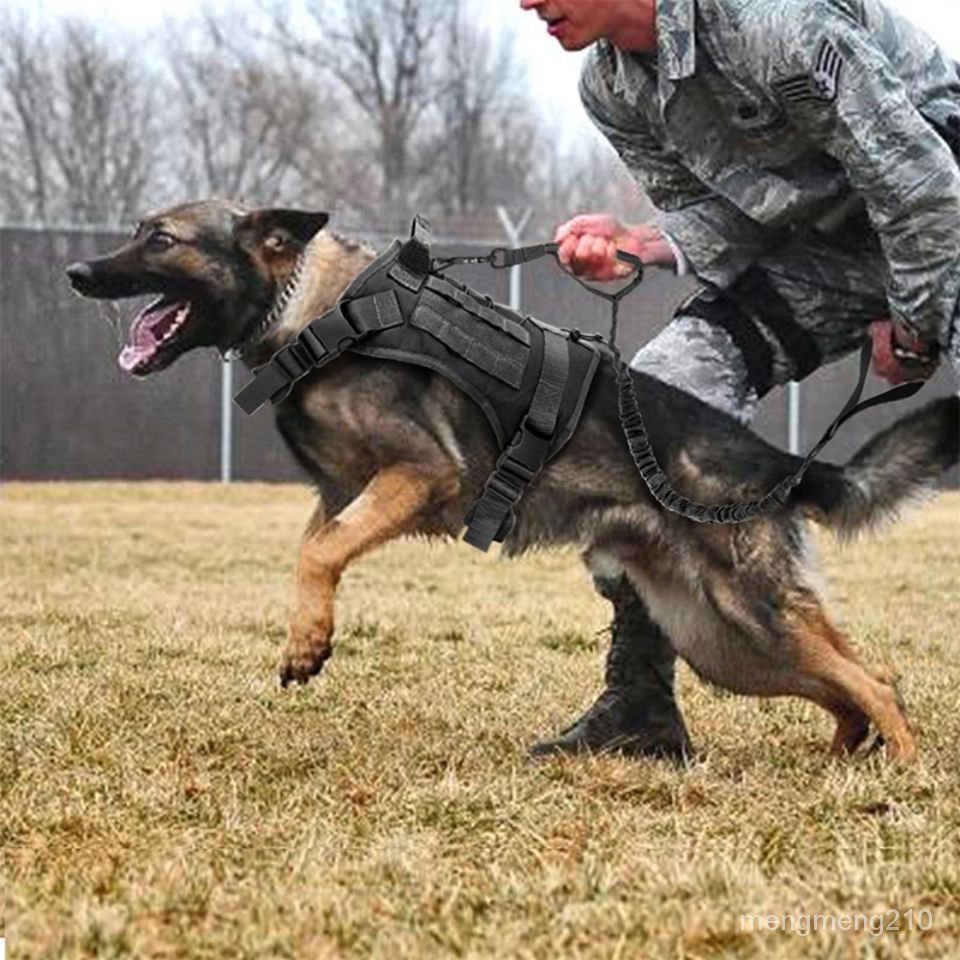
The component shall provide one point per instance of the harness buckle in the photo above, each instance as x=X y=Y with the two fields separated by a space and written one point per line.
x=491 y=518
x=293 y=361
x=311 y=345
x=321 y=340
x=525 y=454
x=324 y=337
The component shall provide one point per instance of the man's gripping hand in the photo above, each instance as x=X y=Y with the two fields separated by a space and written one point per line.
x=589 y=244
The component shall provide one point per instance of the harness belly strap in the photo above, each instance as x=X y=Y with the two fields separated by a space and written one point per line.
x=491 y=517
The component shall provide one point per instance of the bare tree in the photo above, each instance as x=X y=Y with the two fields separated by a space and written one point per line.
x=75 y=124
x=586 y=176
x=373 y=108
x=24 y=175
x=380 y=53
x=483 y=117
x=239 y=116
x=493 y=145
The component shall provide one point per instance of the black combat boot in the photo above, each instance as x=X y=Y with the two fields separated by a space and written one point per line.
x=637 y=713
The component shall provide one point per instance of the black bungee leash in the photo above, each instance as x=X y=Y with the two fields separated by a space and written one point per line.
x=631 y=419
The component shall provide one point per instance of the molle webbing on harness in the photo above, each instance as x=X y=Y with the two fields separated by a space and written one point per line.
x=458 y=295
x=480 y=347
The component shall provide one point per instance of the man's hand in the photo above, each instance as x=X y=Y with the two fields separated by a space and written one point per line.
x=887 y=341
x=589 y=244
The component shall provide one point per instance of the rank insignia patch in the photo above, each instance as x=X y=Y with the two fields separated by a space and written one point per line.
x=822 y=83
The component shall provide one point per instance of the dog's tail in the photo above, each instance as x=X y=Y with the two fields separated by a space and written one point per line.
x=900 y=464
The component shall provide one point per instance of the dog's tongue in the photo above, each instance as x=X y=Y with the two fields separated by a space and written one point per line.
x=148 y=330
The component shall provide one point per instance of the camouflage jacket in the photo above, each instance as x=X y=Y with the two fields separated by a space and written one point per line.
x=755 y=117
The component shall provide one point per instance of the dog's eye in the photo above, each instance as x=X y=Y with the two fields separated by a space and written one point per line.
x=158 y=241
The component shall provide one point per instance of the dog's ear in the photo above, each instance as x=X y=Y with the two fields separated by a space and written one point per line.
x=276 y=227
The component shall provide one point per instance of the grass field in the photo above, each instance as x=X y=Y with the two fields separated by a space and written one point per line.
x=162 y=797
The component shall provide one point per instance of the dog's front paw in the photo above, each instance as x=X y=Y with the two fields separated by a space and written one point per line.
x=307 y=650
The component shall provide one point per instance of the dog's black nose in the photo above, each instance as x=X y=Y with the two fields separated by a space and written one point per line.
x=80 y=275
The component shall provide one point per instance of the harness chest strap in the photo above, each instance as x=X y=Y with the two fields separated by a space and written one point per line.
x=321 y=341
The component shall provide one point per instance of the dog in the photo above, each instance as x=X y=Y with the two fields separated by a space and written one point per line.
x=396 y=449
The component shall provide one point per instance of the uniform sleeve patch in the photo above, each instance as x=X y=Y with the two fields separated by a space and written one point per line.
x=821 y=84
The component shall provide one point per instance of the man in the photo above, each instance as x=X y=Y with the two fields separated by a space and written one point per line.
x=802 y=153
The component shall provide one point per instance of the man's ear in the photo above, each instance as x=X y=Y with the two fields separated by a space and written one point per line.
x=300 y=225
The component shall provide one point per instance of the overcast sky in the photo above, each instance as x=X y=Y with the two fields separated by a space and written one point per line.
x=553 y=72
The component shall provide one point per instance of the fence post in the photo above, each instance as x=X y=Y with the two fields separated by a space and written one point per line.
x=226 y=420
x=514 y=232
x=793 y=417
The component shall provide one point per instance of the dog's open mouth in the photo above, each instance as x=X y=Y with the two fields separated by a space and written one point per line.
x=154 y=331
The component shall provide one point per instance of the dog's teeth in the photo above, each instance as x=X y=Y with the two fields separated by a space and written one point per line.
x=178 y=322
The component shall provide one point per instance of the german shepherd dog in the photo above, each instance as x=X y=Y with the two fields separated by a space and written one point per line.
x=396 y=449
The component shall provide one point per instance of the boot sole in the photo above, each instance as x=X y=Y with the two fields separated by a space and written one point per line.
x=678 y=753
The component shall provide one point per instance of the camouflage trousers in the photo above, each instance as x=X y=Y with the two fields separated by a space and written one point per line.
x=806 y=304
x=953 y=345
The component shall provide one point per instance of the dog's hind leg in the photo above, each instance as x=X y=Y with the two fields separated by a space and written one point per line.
x=388 y=507
x=757 y=637
x=827 y=668
x=853 y=725
x=801 y=653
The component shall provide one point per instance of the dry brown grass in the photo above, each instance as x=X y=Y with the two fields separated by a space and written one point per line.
x=161 y=797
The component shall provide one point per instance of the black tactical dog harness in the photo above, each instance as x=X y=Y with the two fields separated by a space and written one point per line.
x=531 y=379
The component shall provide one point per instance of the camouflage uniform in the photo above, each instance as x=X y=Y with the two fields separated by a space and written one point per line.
x=751 y=123
x=798 y=151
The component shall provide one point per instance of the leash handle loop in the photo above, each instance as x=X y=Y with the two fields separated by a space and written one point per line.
x=501 y=257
